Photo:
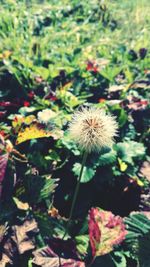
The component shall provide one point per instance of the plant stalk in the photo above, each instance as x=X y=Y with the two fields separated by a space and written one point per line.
x=76 y=192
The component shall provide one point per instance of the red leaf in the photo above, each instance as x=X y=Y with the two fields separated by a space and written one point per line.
x=3 y=165
x=26 y=104
x=8 y=104
x=2 y=114
x=105 y=231
x=139 y=105
x=31 y=94
x=91 y=66
x=6 y=148
x=94 y=231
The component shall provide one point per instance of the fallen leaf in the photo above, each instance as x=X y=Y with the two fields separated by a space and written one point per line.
x=21 y=205
x=53 y=212
x=145 y=170
x=21 y=238
x=18 y=241
x=138 y=105
x=115 y=88
x=7 y=256
x=46 y=257
x=3 y=230
x=105 y=231
x=141 y=84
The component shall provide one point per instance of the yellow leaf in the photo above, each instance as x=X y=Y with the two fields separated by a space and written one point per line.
x=29 y=119
x=9 y=146
x=7 y=53
x=31 y=132
x=18 y=120
x=66 y=87
x=123 y=166
x=139 y=182
x=21 y=205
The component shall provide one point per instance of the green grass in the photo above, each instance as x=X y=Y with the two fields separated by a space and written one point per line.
x=134 y=22
x=65 y=34
x=47 y=36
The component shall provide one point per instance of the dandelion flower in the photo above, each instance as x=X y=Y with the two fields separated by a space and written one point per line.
x=45 y=116
x=92 y=129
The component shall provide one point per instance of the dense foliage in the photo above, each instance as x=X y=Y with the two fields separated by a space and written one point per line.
x=56 y=56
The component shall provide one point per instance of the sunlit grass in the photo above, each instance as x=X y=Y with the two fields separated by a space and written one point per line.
x=65 y=35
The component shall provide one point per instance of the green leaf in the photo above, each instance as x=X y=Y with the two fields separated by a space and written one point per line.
x=137 y=223
x=88 y=172
x=127 y=151
x=44 y=224
x=107 y=158
x=144 y=250
x=69 y=144
x=82 y=243
x=26 y=110
x=43 y=72
x=109 y=72
x=123 y=117
x=47 y=189
x=120 y=113
x=138 y=238
x=30 y=263
x=119 y=259
x=39 y=188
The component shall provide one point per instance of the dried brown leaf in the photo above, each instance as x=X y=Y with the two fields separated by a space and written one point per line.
x=17 y=242
x=21 y=238
x=47 y=258
x=145 y=170
x=3 y=229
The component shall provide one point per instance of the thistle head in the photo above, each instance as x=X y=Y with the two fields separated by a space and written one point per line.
x=93 y=129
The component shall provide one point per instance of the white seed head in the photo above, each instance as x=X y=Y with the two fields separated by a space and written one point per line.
x=45 y=116
x=92 y=129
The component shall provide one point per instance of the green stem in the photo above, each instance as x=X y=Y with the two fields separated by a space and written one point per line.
x=76 y=192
